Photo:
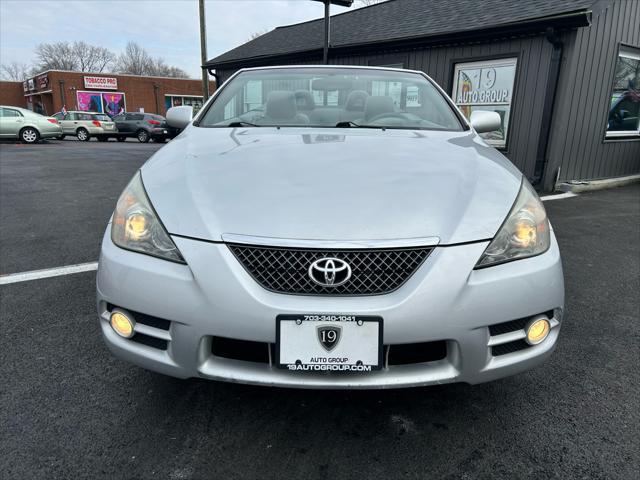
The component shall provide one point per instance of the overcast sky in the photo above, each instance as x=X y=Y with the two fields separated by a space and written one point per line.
x=166 y=28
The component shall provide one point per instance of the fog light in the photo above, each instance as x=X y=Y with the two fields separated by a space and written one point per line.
x=537 y=330
x=122 y=324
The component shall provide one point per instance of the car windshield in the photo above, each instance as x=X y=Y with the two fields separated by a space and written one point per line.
x=331 y=97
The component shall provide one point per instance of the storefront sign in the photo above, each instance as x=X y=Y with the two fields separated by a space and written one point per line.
x=43 y=82
x=25 y=86
x=106 y=83
x=31 y=84
x=486 y=85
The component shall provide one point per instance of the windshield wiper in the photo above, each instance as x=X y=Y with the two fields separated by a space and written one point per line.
x=242 y=124
x=350 y=124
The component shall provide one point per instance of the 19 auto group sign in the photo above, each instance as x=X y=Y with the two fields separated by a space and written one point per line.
x=105 y=83
x=486 y=85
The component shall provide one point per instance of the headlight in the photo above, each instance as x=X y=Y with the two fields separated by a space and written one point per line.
x=137 y=227
x=525 y=232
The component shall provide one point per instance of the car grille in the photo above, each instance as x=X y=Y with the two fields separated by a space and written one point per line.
x=374 y=272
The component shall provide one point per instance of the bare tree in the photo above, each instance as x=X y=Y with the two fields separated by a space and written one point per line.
x=92 y=58
x=14 y=71
x=83 y=57
x=366 y=3
x=627 y=74
x=161 y=69
x=73 y=56
x=55 y=56
x=135 y=60
x=255 y=35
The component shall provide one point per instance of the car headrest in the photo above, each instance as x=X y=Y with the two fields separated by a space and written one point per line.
x=304 y=100
x=281 y=104
x=356 y=101
x=377 y=106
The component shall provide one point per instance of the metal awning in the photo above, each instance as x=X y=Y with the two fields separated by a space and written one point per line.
x=37 y=93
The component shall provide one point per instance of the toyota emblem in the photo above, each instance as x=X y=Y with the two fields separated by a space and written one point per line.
x=329 y=272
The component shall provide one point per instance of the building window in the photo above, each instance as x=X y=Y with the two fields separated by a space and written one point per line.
x=179 y=100
x=252 y=95
x=624 y=110
x=111 y=103
x=486 y=85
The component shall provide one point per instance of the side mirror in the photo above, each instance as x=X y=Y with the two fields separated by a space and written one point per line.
x=483 y=121
x=179 y=117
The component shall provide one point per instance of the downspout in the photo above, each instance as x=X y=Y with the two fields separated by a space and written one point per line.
x=62 y=94
x=542 y=157
x=156 y=87
x=215 y=75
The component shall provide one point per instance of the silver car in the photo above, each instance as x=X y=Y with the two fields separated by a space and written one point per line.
x=25 y=125
x=85 y=125
x=330 y=227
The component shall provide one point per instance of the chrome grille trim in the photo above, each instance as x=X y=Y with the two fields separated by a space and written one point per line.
x=374 y=271
x=391 y=243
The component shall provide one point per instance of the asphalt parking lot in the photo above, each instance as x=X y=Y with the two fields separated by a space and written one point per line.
x=68 y=409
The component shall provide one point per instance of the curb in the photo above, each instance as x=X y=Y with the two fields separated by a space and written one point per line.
x=576 y=186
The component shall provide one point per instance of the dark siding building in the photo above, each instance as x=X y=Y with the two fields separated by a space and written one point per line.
x=571 y=69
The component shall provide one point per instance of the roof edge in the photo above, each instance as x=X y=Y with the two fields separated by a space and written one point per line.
x=104 y=74
x=347 y=12
x=567 y=20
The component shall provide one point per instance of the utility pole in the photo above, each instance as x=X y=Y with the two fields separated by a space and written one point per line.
x=327 y=32
x=203 y=51
x=327 y=24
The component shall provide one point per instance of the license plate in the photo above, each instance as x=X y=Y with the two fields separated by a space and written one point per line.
x=329 y=343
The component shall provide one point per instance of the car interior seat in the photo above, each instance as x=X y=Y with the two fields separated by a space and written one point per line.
x=304 y=101
x=354 y=106
x=281 y=109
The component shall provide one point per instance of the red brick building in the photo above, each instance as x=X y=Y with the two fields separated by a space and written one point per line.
x=11 y=94
x=49 y=91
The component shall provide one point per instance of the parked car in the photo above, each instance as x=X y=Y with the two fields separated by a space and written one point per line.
x=28 y=126
x=624 y=113
x=143 y=126
x=85 y=125
x=371 y=241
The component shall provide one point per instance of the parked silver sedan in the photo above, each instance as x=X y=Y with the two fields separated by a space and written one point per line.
x=25 y=125
x=330 y=227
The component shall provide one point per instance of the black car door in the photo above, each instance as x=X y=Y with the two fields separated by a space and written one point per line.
x=135 y=121
x=121 y=124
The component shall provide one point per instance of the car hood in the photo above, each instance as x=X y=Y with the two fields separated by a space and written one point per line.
x=331 y=184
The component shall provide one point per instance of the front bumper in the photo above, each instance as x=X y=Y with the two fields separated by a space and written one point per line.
x=445 y=300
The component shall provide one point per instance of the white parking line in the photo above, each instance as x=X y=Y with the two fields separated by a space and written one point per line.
x=47 y=273
x=559 y=196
